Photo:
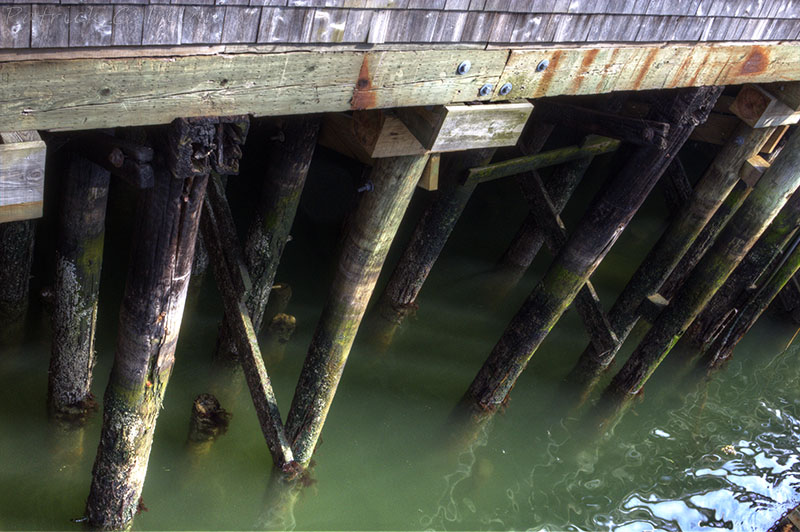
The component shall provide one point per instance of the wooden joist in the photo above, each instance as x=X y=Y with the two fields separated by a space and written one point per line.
x=22 y=157
x=72 y=92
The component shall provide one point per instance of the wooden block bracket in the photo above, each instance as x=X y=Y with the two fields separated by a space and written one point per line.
x=22 y=159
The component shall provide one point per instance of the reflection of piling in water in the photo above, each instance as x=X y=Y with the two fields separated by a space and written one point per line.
x=79 y=260
x=16 y=257
x=770 y=194
x=280 y=498
x=609 y=214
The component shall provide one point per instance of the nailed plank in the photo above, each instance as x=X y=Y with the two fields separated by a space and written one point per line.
x=22 y=157
x=467 y=127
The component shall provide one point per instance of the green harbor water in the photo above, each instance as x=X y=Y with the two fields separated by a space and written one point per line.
x=692 y=454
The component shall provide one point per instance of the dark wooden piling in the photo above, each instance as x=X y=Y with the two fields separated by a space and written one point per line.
x=757 y=261
x=152 y=308
x=79 y=260
x=269 y=230
x=685 y=226
x=596 y=233
x=722 y=346
x=431 y=233
x=769 y=195
x=16 y=256
x=363 y=250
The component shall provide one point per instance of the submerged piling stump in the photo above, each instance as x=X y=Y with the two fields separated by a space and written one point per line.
x=770 y=194
x=608 y=215
x=150 y=317
x=362 y=253
x=79 y=261
x=707 y=196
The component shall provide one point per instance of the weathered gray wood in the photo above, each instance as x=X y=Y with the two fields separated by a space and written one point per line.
x=90 y=25
x=202 y=24
x=49 y=26
x=363 y=251
x=241 y=24
x=22 y=159
x=15 y=26
x=16 y=257
x=162 y=25
x=128 y=24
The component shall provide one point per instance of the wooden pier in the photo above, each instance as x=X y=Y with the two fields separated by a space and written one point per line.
x=430 y=97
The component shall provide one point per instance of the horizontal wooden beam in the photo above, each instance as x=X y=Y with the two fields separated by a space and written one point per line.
x=22 y=158
x=593 y=146
x=69 y=92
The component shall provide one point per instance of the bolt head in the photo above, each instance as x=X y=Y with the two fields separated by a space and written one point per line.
x=463 y=68
x=505 y=89
x=542 y=66
x=486 y=90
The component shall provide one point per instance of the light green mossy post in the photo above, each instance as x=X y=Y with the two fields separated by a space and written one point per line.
x=685 y=226
x=758 y=302
x=167 y=221
x=79 y=261
x=16 y=256
x=269 y=229
x=757 y=261
x=433 y=229
x=604 y=221
x=762 y=205
x=363 y=251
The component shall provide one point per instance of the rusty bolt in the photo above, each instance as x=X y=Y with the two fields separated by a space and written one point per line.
x=542 y=66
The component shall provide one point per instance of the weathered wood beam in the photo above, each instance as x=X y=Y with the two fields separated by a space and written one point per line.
x=368 y=135
x=231 y=274
x=466 y=127
x=632 y=130
x=79 y=261
x=68 y=91
x=609 y=214
x=760 y=208
x=123 y=158
x=167 y=221
x=22 y=157
x=684 y=228
x=362 y=254
x=591 y=147
x=676 y=186
x=758 y=108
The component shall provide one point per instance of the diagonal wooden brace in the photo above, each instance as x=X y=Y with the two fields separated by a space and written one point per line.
x=587 y=303
x=233 y=280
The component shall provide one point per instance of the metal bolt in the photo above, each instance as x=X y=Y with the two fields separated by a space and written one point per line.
x=505 y=89
x=542 y=66
x=739 y=141
x=463 y=68
x=366 y=187
x=486 y=90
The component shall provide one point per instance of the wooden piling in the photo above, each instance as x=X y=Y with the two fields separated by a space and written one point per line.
x=431 y=233
x=16 y=256
x=150 y=318
x=363 y=251
x=707 y=196
x=596 y=233
x=79 y=261
x=768 y=197
x=757 y=261
x=269 y=230
x=756 y=304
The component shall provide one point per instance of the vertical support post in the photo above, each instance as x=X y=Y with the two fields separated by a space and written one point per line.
x=16 y=257
x=715 y=184
x=269 y=230
x=150 y=317
x=431 y=234
x=79 y=261
x=757 y=261
x=763 y=204
x=363 y=252
x=605 y=220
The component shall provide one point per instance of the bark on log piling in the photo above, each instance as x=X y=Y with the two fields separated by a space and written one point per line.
x=79 y=261
x=778 y=183
x=16 y=256
x=596 y=233
x=150 y=317
x=362 y=253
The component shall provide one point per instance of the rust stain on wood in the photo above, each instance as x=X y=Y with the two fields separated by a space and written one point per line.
x=586 y=62
x=756 y=62
x=693 y=80
x=547 y=78
x=645 y=68
x=363 y=95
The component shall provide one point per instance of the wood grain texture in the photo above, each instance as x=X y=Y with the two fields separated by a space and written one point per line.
x=128 y=25
x=49 y=26
x=162 y=25
x=22 y=157
x=15 y=26
x=202 y=24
